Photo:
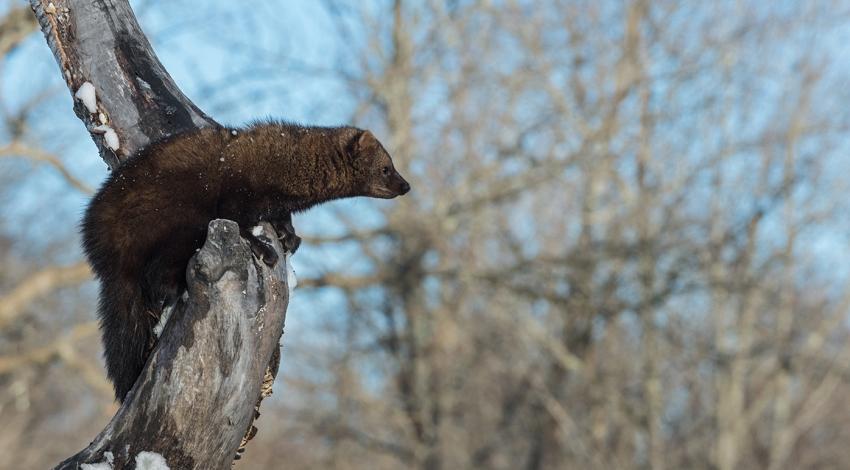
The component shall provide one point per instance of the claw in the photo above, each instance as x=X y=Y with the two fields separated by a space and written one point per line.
x=286 y=233
x=262 y=248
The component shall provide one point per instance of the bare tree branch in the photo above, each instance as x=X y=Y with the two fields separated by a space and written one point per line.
x=45 y=353
x=38 y=284
x=22 y=150
x=15 y=27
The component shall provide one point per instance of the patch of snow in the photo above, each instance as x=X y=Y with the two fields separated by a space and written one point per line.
x=163 y=319
x=150 y=461
x=112 y=139
x=102 y=118
x=143 y=83
x=234 y=132
x=88 y=96
x=257 y=231
x=96 y=466
x=291 y=280
x=109 y=136
x=100 y=465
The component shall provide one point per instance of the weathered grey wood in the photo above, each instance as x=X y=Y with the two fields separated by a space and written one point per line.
x=195 y=398
x=197 y=395
x=100 y=42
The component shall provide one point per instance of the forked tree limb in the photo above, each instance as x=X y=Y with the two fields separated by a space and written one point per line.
x=197 y=394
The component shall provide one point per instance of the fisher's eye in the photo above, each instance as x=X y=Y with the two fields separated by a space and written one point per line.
x=385 y=170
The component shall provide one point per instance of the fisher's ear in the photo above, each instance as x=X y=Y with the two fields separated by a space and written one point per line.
x=366 y=139
x=363 y=141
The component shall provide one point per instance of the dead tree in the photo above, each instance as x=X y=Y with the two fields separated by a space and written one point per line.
x=196 y=397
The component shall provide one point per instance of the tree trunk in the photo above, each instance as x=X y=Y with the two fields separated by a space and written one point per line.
x=196 y=397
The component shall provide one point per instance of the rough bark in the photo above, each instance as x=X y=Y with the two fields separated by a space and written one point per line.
x=195 y=398
x=219 y=353
x=100 y=42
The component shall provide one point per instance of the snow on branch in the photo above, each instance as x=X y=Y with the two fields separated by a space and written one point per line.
x=121 y=90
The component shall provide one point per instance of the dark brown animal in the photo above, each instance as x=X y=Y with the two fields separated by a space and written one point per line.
x=148 y=219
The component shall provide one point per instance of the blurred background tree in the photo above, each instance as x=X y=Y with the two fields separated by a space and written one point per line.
x=626 y=246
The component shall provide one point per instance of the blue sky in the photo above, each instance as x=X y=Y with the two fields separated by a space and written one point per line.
x=290 y=78
x=290 y=75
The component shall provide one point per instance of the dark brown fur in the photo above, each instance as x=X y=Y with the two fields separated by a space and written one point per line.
x=150 y=216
